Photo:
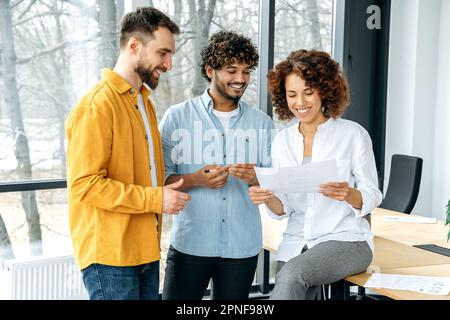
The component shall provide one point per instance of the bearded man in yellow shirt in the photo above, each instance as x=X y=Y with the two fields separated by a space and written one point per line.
x=115 y=169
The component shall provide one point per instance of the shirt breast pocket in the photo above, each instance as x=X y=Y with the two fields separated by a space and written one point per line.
x=247 y=149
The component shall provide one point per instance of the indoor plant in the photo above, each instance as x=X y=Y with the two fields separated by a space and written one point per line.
x=447 y=221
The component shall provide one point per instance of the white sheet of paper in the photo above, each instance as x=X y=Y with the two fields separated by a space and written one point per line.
x=414 y=219
x=422 y=284
x=302 y=179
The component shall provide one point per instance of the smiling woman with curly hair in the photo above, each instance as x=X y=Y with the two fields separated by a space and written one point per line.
x=320 y=72
x=327 y=237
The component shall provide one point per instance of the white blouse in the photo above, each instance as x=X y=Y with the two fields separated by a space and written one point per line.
x=314 y=218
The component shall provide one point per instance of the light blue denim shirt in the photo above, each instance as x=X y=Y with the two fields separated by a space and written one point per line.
x=216 y=222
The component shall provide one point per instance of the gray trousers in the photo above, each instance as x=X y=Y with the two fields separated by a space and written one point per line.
x=301 y=277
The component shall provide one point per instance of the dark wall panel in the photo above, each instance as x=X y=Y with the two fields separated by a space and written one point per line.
x=365 y=64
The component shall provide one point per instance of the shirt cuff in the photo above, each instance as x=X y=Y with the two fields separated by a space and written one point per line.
x=287 y=209
x=168 y=174
x=367 y=205
x=154 y=200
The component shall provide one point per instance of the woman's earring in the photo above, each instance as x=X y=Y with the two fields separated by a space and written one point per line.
x=323 y=109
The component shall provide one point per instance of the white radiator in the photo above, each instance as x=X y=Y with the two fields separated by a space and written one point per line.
x=41 y=278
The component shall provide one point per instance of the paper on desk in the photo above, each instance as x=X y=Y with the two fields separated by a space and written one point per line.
x=422 y=284
x=414 y=219
x=305 y=178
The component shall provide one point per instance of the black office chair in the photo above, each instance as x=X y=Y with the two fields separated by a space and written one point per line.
x=402 y=192
x=404 y=183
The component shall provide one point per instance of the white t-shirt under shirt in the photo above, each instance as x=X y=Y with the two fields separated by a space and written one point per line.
x=225 y=116
x=151 y=155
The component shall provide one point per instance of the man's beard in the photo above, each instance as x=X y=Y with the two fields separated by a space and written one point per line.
x=146 y=76
x=222 y=91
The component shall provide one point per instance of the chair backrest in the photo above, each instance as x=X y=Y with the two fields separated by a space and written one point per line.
x=404 y=183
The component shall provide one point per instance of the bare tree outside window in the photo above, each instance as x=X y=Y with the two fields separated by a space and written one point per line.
x=198 y=20
x=301 y=24
x=51 y=52
x=21 y=146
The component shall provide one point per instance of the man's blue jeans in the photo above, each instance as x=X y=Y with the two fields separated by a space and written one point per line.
x=122 y=283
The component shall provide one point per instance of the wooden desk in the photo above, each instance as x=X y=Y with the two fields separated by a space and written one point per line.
x=442 y=270
x=272 y=230
x=399 y=257
x=407 y=232
x=393 y=249
x=402 y=232
x=391 y=254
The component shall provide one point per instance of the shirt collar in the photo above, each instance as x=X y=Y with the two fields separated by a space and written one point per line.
x=145 y=91
x=326 y=124
x=122 y=86
x=208 y=102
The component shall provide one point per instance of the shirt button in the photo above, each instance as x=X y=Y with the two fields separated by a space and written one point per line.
x=136 y=106
x=223 y=220
x=224 y=198
x=146 y=137
x=132 y=91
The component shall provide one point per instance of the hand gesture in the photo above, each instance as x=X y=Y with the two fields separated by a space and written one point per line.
x=245 y=172
x=174 y=201
x=259 y=195
x=212 y=176
x=335 y=190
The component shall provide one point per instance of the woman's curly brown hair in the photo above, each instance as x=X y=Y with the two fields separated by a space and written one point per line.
x=320 y=72
x=227 y=47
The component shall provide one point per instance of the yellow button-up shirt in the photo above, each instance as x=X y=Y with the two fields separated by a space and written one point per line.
x=113 y=207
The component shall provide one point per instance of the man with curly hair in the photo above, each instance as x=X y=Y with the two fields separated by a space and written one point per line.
x=218 y=235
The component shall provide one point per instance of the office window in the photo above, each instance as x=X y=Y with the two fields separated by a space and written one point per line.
x=301 y=24
x=58 y=50
x=24 y=238
x=55 y=61
x=61 y=48
x=198 y=20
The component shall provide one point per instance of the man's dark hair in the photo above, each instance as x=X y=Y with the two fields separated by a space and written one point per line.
x=227 y=47
x=143 y=22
